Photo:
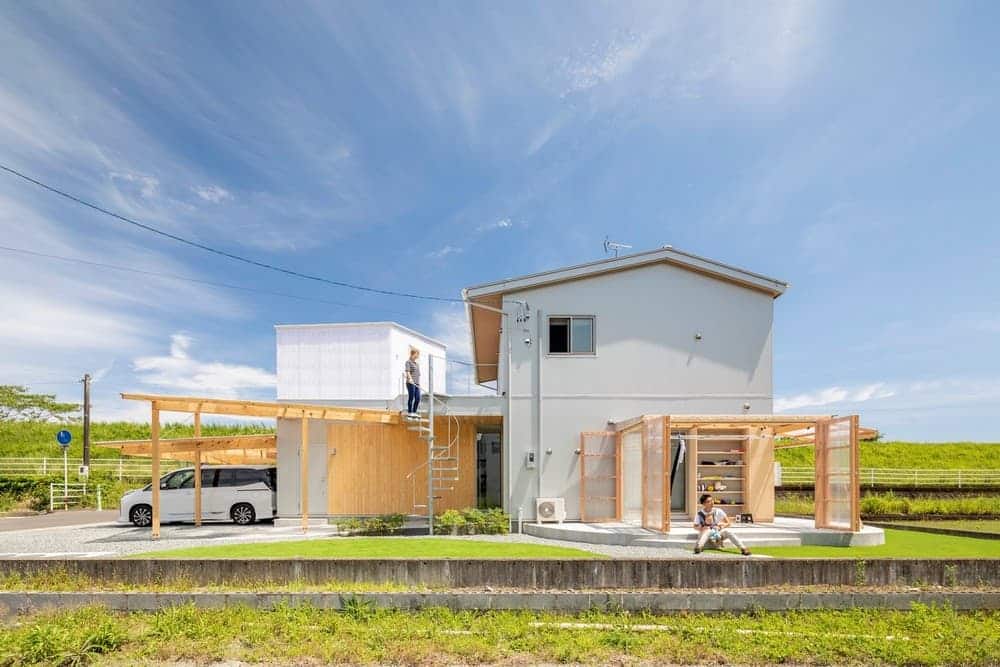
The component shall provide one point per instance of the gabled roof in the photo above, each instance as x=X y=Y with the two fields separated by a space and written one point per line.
x=484 y=323
x=666 y=254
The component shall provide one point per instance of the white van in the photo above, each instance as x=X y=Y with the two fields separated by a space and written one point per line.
x=241 y=494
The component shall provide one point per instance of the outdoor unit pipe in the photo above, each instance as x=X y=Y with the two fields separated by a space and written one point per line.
x=538 y=410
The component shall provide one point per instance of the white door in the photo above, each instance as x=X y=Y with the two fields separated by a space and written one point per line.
x=177 y=496
x=207 y=492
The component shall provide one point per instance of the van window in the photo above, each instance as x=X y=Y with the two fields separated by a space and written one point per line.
x=241 y=476
x=177 y=480
x=207 y=479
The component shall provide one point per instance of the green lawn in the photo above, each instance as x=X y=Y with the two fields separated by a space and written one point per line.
x=929 y=455
x=362 y=634
x=376 y=547
x=971 y=525
x=898 y=544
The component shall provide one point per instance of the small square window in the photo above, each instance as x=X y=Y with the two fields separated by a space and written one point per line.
x=571 y=335
x=558 y=335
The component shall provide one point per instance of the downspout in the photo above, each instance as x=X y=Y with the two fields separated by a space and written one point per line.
x=506 y=424
x=538 y=408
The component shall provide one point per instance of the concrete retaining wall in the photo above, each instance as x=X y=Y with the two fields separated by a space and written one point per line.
x=533 y=574
x=12 y=604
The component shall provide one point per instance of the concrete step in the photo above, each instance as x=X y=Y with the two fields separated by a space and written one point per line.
x=751 y=542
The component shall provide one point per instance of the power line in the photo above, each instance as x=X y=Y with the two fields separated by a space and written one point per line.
x=216 y=251
x=195 y=280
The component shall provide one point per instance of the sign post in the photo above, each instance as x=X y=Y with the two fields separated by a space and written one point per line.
x=64 y=437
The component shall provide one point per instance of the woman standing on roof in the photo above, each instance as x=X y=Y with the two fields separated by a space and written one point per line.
x=412 y=372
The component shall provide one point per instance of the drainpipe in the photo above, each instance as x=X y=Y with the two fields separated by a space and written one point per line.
x=538 y=407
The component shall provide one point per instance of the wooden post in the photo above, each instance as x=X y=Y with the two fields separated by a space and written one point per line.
x=691 y=505
x=643 y=462
x=154 y=437
x=619 y=471
x=666 y=474
x=304 y=475
x=197 y=471
x=855 y=477
x=820 y=430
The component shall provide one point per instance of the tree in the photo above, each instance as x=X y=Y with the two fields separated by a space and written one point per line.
x=16 y=404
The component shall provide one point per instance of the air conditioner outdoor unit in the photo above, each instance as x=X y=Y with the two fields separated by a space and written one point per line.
x=550 y=509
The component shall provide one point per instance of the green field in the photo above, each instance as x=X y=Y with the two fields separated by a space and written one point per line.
x=362 y=634
x=376 y=547
x=898 y=544
x=890 y=504
x=990 y=526
x=931 y=456
x=38 y=439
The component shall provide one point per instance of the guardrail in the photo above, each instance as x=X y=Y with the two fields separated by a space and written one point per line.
x=71 y=494
x=910 y=477
x=45 y=466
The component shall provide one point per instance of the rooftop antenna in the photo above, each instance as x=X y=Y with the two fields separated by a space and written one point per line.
x=612 y=245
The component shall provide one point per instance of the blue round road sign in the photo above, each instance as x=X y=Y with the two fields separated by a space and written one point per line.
x=64 y=437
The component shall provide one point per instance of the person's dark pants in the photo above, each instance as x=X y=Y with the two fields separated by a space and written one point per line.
x=413 y=397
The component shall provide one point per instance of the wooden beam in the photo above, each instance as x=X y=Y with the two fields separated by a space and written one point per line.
x=154 y=430
x=197 y=471
x=304 y=475
x=212 y=443
x=219 y=406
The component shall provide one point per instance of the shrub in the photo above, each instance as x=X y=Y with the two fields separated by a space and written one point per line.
x=449 y=519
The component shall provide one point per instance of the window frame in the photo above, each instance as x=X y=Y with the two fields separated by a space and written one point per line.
x=569 y=335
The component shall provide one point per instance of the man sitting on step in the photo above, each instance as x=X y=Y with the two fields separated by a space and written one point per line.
x=712 y=524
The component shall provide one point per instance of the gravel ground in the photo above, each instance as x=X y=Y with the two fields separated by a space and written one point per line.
x=109 y=540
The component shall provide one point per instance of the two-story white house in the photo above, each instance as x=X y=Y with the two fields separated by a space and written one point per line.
x=658 y=332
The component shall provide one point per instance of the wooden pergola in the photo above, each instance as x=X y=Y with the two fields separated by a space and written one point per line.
x=749 y=440
x=236 y=448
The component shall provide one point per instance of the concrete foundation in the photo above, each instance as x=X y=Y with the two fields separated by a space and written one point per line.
x=12 y=604
x=562 y=575
x=783 y=532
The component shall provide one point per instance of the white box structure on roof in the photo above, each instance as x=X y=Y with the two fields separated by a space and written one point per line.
x=352 y=361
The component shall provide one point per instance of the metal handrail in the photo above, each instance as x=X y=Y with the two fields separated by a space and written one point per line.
x=956 y=477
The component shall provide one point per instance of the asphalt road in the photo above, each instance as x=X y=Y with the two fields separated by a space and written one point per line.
x=57 y=520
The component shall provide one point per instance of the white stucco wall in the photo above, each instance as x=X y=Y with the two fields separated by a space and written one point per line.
x=350 y=361
x=647 y=361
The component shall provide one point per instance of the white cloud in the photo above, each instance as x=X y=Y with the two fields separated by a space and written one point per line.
x=212 y=193
x=503 y=223
x=180 y=371
x=444 y=251
x=832 y=396
x=148 y=185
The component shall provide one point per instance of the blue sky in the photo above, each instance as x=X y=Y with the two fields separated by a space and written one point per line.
x=848 y=149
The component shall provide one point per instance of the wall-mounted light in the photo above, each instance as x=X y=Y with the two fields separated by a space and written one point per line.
x=746 y=407
x=697 y=335
x=548 y=451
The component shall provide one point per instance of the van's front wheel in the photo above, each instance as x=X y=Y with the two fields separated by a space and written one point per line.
x=243 y=514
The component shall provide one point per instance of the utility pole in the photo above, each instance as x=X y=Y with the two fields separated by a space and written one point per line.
x=86 y=419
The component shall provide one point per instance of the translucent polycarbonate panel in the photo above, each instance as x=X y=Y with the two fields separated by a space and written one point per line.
x=835 y=481
x=598 y=477
x=654 y=475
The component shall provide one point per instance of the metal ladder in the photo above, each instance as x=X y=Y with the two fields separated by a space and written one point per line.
x=442 y=459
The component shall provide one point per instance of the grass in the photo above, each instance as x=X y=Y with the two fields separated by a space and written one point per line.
x=38 y=439
x=376 y=547
x=889 y=504
x=991 y=526
x=930 y=455
x=898 y=544
x=362 y=634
